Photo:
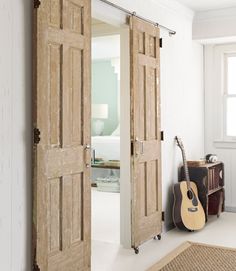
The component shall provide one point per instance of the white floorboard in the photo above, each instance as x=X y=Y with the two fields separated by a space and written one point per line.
x=112 y=257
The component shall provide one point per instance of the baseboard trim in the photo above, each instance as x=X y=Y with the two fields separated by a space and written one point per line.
x=230 y=209
x=169 y=227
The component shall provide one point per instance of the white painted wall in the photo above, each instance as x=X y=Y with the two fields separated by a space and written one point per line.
x=15 y=134
x=125 y=188
x=182 y=103
x=106 y=47
x=182 y=113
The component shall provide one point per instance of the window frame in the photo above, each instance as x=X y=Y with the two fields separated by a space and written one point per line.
x=214 y=120
x=226 y=95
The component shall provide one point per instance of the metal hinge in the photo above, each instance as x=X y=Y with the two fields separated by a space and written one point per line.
x=37 y=136
x=162 y=135
x=37 y=3
x=132 y=148
x=36 y=267
x=163 y=216
x=160 y=42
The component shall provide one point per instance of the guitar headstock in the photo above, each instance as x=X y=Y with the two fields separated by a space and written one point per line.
x=181 y=146
x=179 y=142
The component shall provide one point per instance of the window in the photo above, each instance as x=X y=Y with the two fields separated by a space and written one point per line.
x=230 y=96
x=220 y=96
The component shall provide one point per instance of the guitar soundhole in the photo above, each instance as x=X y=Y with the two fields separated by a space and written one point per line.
x=190 y=194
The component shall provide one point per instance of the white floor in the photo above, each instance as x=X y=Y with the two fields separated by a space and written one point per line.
x=111 y=257
x=105 y=217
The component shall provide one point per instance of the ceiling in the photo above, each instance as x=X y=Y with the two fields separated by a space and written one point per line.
x=201 y=5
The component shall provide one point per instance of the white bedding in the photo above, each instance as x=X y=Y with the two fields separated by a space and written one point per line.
x=106 y=147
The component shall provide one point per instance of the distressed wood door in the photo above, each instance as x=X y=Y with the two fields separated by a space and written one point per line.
x=61 y=187
x=145 y=131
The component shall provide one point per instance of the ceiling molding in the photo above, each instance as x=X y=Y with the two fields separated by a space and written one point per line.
x=213 y=15
x=171 y=6
x=206 y=5
x=215 y=26
x=216 y=41
x=175 y=7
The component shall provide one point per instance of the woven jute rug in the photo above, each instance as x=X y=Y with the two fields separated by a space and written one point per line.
x=198 y=257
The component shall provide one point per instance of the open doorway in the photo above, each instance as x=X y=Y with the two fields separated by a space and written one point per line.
x=110 y=140
x=105 y=132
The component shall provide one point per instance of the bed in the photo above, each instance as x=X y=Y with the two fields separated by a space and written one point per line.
x=106 y=147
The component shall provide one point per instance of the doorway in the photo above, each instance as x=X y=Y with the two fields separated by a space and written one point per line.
x=110 y=133
x=105 y=140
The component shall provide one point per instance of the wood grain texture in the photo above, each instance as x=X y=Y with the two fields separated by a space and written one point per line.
x=61 y=204
x=54 y=219
x=145 y=131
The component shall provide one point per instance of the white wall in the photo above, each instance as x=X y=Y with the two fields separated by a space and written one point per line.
x=106 y=47
x=182 y=110
x=15 y=133
x=182 y=113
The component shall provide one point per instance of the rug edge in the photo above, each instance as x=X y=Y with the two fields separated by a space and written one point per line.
x=171 y=255
x=212 y=245
x=182 y=247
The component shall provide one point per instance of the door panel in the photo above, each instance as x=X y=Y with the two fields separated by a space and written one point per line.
x=145 y=131
x=62 y=187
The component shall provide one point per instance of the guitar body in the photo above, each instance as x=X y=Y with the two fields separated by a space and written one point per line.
x=188 y=213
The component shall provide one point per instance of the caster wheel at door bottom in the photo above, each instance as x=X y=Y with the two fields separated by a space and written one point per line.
x=157 y=237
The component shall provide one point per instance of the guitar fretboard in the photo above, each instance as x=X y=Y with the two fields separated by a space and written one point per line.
x=186 y=172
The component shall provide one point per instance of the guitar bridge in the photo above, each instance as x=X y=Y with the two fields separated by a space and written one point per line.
x=192 y=210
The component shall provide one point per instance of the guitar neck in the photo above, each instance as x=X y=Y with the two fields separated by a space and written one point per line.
x=186 y=169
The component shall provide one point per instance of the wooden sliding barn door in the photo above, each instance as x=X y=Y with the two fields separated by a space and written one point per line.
x=145 y=131
x=61 y=198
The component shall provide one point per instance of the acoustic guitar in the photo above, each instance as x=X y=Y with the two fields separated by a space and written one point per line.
x=188 y=213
